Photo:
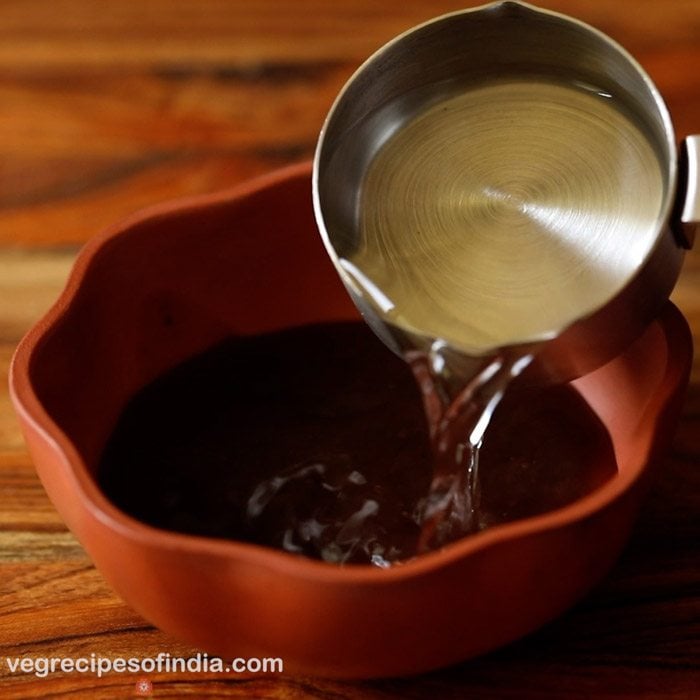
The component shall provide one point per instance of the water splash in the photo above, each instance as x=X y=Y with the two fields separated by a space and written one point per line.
x=457 y=422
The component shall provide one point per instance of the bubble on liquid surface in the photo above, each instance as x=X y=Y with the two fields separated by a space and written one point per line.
x=332 y=512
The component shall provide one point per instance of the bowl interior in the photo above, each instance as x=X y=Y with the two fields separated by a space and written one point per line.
x=173 y=281
x=170 y=285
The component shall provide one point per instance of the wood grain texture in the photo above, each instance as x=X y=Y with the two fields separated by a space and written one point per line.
x=108 y=107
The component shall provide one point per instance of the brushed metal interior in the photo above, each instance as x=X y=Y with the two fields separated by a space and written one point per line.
x=453 y=53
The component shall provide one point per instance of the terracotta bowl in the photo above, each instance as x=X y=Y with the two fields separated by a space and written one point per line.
x=174 y=280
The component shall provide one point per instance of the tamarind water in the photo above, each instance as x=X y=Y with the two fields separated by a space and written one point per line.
x=314 y=441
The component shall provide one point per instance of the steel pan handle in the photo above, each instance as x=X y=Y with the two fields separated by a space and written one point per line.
x=686 y=219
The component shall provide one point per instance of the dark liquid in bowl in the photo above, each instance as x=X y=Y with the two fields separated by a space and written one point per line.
x=314 y=440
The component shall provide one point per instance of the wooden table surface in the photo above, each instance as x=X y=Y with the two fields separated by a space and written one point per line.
x=107 y=107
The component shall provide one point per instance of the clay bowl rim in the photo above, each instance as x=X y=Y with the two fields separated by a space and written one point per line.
x=31 y=410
